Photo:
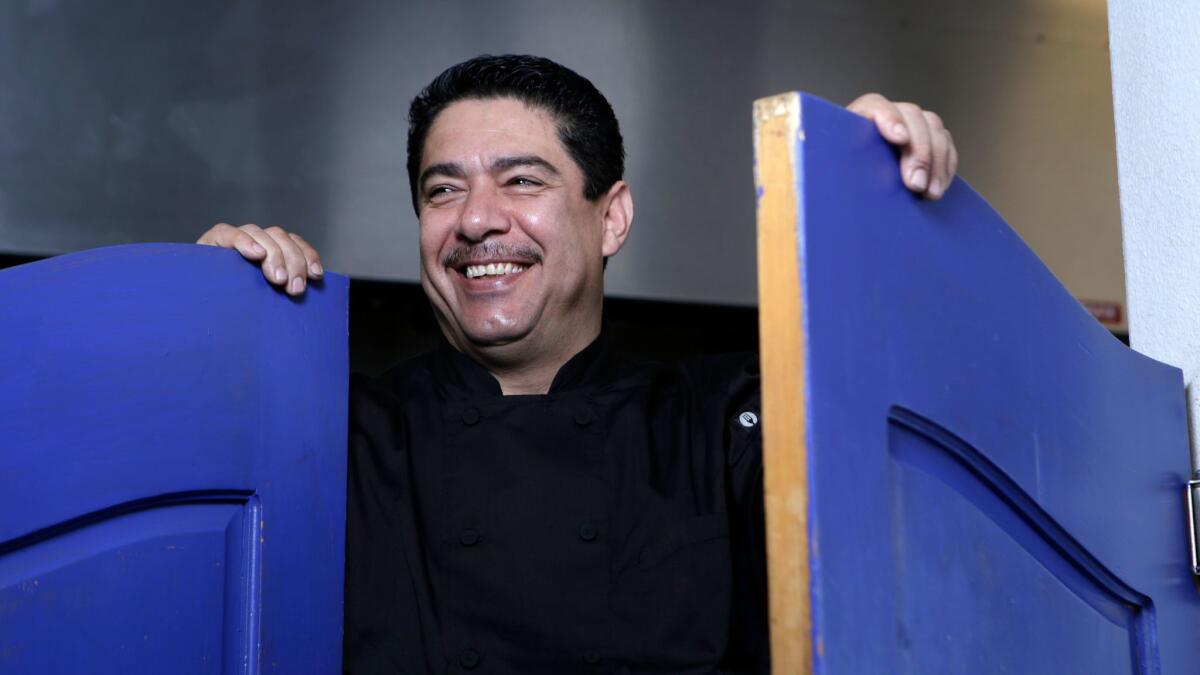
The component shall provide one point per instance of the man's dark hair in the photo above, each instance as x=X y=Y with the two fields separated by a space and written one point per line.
x=587 y=127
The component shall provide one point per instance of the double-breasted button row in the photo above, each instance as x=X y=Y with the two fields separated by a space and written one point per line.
x=469 y=537
x=584 y=417
x=469 y=658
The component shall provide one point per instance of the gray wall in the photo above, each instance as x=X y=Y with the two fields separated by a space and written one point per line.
x=143 y=120
x=1156 y=88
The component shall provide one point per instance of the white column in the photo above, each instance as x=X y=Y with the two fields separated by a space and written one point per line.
x=1155 y=48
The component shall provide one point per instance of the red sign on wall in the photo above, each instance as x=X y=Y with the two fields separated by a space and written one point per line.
x=1106 y=312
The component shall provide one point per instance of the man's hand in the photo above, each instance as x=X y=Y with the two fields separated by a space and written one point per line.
x=287 y=260
x=928 y=159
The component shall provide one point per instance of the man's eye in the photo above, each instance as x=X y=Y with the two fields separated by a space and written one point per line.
x=439 y=191
x=524 y=181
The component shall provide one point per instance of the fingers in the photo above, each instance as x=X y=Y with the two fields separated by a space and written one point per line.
x=285 y=264
x=225 y=235
x=916 y=158
x=885 y=114
x=953 y=163
x=903 y=125
x=928 y=157
x=311 y=257
x=287 y=259
x=940 y=173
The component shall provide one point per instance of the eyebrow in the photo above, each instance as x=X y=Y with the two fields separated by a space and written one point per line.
x=449 y=169
x=506 y=163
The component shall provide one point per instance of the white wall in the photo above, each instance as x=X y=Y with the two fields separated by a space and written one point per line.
x=1156 y=94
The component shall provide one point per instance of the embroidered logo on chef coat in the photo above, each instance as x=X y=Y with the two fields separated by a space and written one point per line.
x=744 y=431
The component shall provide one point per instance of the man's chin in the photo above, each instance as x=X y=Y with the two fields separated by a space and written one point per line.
x=495 y=339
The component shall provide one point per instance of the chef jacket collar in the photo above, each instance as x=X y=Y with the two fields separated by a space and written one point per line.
x=460 y=377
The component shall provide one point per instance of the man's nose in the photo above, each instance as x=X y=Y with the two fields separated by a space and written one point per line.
x=484 y=214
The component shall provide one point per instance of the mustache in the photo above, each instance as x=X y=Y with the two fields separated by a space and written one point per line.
x=491 y=250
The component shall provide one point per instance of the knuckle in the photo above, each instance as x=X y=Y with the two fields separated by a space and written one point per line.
x=921 y=161
x=276 y=230
x=934 y=119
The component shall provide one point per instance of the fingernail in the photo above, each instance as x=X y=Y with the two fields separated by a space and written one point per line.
x=920 y=179
x=935 y=188
x=901 y=132
x=257 y=249
x=297 y=286
x=315 y=268
x=280 y=275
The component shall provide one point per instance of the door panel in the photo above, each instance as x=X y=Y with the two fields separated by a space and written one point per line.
x=174 y=466
x=964 y=471
x=166 y=569
x=1003 y=570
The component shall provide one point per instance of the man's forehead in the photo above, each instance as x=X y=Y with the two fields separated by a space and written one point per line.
x=484 y=130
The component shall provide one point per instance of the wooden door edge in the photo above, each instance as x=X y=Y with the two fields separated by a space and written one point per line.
x=777 y=134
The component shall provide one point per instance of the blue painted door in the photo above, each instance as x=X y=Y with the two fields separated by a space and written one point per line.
x=992 y=482
x=172 y=466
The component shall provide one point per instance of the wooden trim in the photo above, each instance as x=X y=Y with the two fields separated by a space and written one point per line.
x=777 y=134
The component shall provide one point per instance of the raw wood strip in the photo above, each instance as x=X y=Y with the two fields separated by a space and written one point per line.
x=776 y=135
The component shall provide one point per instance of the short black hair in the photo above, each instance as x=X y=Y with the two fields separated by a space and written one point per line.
x=587 y=126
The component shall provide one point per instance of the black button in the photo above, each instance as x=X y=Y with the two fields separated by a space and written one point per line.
x=469 y=537
x=591 y=657
x=470 y=416
x=468 y=658
x=583 y=417
x=588 y=532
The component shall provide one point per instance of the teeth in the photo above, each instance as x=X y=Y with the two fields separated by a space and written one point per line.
x=492 y=269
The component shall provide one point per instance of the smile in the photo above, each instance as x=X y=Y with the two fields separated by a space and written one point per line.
x=492 y=269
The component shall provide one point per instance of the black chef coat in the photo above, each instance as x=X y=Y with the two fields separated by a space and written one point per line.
x=612 y=525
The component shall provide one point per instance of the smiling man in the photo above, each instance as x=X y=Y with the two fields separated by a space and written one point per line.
x=522 y=500
x=513 y=237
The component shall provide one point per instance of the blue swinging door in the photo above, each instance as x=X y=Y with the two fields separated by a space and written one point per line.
x=172 y=463
x=965 y=473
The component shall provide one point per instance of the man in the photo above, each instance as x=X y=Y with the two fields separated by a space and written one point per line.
x=521 y=500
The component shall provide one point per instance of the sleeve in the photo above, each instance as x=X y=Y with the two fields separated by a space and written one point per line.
x=749 y=642
x=379 y=612
x=731 y=392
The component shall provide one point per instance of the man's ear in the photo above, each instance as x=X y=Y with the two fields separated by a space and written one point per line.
x=618 y=218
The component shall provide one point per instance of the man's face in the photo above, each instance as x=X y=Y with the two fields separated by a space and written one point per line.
x=511 y=251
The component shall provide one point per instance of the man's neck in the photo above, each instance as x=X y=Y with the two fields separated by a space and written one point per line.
x=522 y=370
x=528 y=380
